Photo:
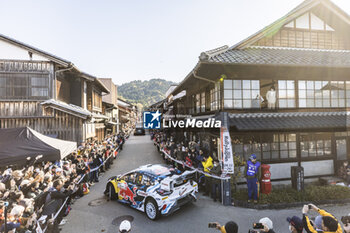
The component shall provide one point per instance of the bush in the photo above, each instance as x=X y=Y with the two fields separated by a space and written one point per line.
x=312 y=193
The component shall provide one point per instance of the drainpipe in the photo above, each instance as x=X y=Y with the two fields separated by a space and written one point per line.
x=201 y=78
x=55 y=78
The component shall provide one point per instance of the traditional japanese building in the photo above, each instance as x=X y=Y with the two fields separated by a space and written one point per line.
x=284 y=92
x=110 y=106
x=47 y=93
x=127 y=115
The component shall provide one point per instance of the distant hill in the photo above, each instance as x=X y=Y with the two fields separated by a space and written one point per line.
x=144 y=92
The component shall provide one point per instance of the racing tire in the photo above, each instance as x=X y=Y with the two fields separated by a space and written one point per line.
x=111 y=192
x=151 y=209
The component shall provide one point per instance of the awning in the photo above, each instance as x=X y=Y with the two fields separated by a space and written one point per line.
x=16 y=144
x=67 y=108
x=289 y=121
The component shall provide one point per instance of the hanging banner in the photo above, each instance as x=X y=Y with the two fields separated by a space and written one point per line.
x=227 y=155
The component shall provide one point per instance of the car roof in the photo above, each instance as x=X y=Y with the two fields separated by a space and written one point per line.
x=155 y=170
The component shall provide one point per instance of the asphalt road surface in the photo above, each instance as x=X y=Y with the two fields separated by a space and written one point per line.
x=92 y=213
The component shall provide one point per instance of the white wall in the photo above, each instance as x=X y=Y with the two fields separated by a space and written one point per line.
x=316 y=168
x=281 y=170
x=9 y=51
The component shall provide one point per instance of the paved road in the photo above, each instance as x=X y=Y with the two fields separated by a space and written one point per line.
x=139 y=150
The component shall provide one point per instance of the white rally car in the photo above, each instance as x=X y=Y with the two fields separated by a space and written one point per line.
x=155 y=189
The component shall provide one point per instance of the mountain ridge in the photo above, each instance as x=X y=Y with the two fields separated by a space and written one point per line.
x=145 y=92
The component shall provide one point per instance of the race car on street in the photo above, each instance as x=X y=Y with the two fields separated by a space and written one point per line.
x=158 y=190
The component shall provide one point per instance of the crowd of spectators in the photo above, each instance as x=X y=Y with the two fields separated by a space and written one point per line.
x=191 y=155
x=38 y=195
x=323 y=222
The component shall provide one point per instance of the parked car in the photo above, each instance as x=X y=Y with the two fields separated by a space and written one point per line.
x=154 y=189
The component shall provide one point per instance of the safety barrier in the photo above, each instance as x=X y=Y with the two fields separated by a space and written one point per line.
x=223 y=177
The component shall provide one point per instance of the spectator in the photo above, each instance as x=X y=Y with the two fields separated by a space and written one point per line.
x=268 y=225
x=37 y=191
x=229 y=227
x=216 y=183
x=252 y=173
x=344 y=172
x=329 y=222
x=207 y=166
x=179 y=155
x=295 y=224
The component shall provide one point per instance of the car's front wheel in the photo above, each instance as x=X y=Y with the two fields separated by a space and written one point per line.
x=151 y=209
x=111 y=192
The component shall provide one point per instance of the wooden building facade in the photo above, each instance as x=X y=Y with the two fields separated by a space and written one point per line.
x=44 y=92
x=284 y=92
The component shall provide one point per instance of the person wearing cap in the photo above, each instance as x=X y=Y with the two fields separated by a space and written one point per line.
x=329 y=222
x=268 y=225
x=252 y=173
x=295 y=224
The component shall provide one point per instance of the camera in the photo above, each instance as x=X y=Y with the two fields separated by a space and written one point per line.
x=212 y=225
x=345 y=220
x=258 y=226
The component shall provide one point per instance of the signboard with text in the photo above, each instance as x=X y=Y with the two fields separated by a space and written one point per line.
x=227 y=155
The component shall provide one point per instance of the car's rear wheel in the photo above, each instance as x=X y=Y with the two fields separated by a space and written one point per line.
x=111 y=192
x=151 y=209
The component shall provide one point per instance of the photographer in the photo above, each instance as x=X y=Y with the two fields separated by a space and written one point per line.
x=295 y=224
x=329 y=222
x=229 y=227
x=268 y=225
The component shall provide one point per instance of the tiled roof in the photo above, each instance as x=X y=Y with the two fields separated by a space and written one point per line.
x=285 y=121
x=284 y=56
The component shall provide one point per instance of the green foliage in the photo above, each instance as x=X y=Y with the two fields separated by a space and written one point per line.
x=312 y=193
x=239 y=164
x=144 y=92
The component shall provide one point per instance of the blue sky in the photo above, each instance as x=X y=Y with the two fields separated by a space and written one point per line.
x=138 y=40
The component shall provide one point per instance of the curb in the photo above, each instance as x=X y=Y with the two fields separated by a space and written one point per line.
x=244 y=204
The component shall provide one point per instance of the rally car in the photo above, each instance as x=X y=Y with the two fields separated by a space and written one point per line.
x=155 y=189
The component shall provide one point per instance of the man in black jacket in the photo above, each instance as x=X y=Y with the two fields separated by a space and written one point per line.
x=216 y=183
x=54 y=200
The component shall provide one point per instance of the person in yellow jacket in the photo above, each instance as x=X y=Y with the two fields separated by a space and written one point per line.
x=207 y=166
x=329 y=222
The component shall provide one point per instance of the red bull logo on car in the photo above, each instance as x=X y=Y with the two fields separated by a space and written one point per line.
x=126 y=193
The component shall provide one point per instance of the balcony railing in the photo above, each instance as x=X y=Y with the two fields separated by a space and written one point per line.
x=24 y=66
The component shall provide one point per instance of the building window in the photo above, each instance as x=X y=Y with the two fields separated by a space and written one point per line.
x=24 y=86
x=214 y=97
x=286 y=93
x=198 y=103
x=203 y=102
x=97 y=99
x=242 y=94
x=321 y=94
x=279 y=146
x=267 y=147
x=347 y=87
x=315 y=145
